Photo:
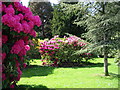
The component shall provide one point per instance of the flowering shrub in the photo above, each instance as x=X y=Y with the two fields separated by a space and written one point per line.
x=18 y=24
x=57 y=50
x=34 y=49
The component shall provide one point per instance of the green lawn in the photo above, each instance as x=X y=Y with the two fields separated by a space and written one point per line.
x=73 y=77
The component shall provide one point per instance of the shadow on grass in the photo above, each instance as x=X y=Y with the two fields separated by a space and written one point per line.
x=113 y=76
x=32 y=87
x=35 y=70
x=88 y=65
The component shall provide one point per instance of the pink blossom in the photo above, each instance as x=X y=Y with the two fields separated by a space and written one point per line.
x=50 y=45
x=4 y=38
x=31 y=24
x=53 y=52
x=26 y=28
x=56 y=47
x=18 y=27
x=5 y=19
x=3 y=7
x=17 y=18
x=25 y=9
x=60 y=40
x=19 y=71
x=3 y=56
x=29 y=16
x=37 y=20
x=50 y=48
x=20 y=43
x=12 y=86
x=25 y=39
x=21 y=16
x=33 y=33
x=22 y=52
x=17 y=63
x=46 y=51
x=15 y=49
x=56 y=44
x=18 y=6
x=43 y=63
x=27 y=47
x=10 y=10
x=52 y=42
x=3 y=77
x=24 y=65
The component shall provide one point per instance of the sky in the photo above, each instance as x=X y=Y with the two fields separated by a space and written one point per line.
x=25 y=2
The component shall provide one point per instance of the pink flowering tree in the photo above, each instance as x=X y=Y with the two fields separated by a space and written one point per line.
x=18 y=25
x=58 y=51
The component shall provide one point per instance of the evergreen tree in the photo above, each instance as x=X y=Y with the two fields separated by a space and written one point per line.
x=43 y=9
x=64 y=16
x=103 y=25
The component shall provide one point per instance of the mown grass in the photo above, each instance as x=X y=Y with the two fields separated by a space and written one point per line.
x=91 y=76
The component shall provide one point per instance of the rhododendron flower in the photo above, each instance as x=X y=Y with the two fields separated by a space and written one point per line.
x=18 y=6
x=3 y=56
x=22 y=52
x=24 y=65
x=11 y=21
x=60 y=40
x=17 y=18
x=52 y=41
x=25 y=9
x=3 y=7
x=26 y=28
x=27 y=47
x=10 y=10
x=3 y=77
x=50 y=48
x=50 y=45
x=21 y=16
x=4 y=39
x=56 y=47
x=37 y=20
x=29 y=17
x=33 y=33
x=20 y=43
x=12 y=86
x=18 y=27
x=43 y=63
x=15 y=49
x=53 y=52
x=17 y=63
x=31 y=24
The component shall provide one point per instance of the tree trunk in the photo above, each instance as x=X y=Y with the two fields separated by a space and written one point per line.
x=105 y=62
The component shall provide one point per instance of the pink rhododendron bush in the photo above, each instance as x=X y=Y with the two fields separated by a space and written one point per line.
x=60 y=51
x=18 y=25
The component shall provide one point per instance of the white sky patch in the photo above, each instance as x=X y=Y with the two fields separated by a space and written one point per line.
x=54 y=1
x=25 y=2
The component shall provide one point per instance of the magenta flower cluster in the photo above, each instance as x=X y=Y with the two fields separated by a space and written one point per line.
x=19 y=20
x=22 y=22
x=51 y=50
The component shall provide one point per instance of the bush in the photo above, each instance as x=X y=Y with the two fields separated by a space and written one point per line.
x=33 y=53
x=18 y=25
x=56 y=51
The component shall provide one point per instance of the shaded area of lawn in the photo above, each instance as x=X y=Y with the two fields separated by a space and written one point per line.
x=37 y=70
x=31 y=87
x=89 y=76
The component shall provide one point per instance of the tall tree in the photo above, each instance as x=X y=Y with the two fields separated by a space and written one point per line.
x=43 y=9
x=103 y=25
x=64 y=16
